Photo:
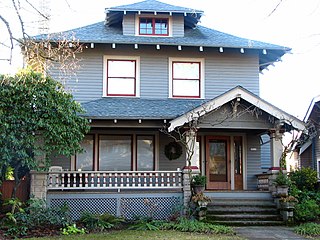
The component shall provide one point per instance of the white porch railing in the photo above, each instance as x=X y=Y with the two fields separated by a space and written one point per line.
x=114 y=180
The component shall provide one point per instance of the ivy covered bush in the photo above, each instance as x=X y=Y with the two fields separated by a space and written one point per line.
x=303 y=188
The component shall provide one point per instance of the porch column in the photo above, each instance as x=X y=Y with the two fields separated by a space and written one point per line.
x=276 y=147
x=191 y=140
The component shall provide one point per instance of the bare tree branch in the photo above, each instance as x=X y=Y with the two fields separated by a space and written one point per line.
x=275 y=9
x=40 y=13
x=10 y=35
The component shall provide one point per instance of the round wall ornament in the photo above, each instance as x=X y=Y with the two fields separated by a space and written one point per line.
x=173 y=150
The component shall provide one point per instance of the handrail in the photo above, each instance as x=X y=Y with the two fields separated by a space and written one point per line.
x=114 y=179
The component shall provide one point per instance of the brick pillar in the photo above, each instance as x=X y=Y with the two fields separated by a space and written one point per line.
x=186 y=185
x=38 y=186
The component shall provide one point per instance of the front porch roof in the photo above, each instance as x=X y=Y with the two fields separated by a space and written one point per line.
x=237 y=93
x=137 y=108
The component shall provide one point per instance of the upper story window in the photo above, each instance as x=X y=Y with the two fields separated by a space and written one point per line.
x=154 y=26
x=186 y=78
x=122 y=76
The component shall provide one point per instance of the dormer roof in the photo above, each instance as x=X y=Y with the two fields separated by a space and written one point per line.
x=115 y=14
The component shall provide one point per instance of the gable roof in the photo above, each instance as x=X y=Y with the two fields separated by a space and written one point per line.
x=313 y=103
x=191 y=16
x=241 y=93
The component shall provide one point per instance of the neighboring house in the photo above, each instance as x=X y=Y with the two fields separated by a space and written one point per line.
x=150 y=65
x=309 y=152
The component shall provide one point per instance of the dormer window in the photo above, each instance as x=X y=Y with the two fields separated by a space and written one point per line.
x=154 y=26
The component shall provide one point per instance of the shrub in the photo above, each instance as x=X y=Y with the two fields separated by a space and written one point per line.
x=187 y=225
x=99 y=222
x=72 y=229
x=307 y=210
x=143 y=224
x=309 y=229
x=199 y=180
x=304 y=178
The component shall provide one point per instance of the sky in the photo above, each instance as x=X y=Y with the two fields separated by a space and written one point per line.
x=290 y=85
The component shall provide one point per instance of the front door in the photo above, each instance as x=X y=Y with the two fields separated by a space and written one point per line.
x=218 y=162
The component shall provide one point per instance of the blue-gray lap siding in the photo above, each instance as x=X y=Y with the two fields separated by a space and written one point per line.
x=253 y=161
x=223 y=71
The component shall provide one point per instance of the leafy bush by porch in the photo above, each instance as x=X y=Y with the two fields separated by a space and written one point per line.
x=308 y=229
x=37 y=117
x=303 y=189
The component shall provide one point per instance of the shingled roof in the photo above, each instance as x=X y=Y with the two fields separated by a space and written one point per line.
x=198 y=36
x=115 y=14
x=136 y=108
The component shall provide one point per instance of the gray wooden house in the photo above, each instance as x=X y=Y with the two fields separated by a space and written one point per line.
x=309 y=152
x=150 y=65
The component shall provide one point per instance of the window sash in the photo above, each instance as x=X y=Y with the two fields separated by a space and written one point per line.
x=186 y=79
x=121 y=77
x=115 y=153
x=145 y=153
x=84 y=160
x=154 y=26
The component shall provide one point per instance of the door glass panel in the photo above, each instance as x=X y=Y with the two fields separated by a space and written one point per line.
x=238 y=155
x=145 y=153
x=218 y=161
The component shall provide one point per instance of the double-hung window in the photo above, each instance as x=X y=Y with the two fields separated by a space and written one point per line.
x=186 y=78
x=122 y=76
x=154 y=26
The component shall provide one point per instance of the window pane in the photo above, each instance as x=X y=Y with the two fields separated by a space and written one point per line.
x=121 y=86
x=115 y=153
x=161 y=26
x=145 y=153
x=118 y=68
x=186 y=88
x=84 y=161
x=186 y=70
x=145 y=26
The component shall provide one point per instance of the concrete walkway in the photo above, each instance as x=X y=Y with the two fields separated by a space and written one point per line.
x=267 y=232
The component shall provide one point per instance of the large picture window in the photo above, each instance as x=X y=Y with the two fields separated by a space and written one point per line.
x=121 y=77
x=115 y=153
x=153 y=26
x=186 y=80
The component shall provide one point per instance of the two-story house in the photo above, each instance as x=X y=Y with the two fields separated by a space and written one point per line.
x=150 y=65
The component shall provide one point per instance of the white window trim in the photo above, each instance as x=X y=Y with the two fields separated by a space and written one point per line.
x=202 y=72
x=105 y=60
x=137 y=25
x=318 y=168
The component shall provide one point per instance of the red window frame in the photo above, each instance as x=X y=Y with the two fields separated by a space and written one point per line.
x=186 y=79
x=134 y=77
x=154 y=26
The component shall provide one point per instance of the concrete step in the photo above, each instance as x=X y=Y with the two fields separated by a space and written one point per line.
x=248 y=223
x=244 y=217
x=257 y=209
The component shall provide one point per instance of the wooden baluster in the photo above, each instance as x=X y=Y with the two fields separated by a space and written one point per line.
x=62 y=180
x=104 y=176
x=98 y=180
x=179 y=179
x=80 y=179
x=174 y=184
x=92 y=179
x=168 y=183
x=127 y=179
x=157 y=179
x=116 y=180
x=162 y=179
x=121 y=180
x=133 y=179
x=68 y=180
x=86 y=180
x=139 y=179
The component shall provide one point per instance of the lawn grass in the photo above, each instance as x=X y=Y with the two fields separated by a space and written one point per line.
x=134 y=234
